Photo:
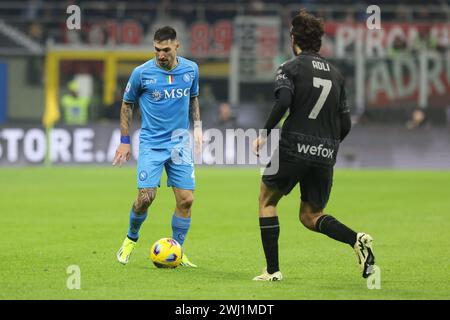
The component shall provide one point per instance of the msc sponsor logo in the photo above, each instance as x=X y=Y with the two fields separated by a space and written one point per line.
x=281 y=76
x=156 y=95
x=176 y=93
x=315 y=150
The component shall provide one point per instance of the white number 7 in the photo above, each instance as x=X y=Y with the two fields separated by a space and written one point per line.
x=326 y=84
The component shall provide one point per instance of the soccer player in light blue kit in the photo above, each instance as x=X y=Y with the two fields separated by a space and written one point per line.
x=166 y=89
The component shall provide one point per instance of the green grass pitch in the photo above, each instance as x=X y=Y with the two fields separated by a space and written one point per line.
x=51 y=218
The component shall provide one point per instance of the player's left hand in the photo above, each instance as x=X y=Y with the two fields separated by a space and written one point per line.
x=198 y=140
x=258 y=144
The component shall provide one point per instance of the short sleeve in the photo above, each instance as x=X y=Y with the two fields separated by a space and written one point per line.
x=133 y=88
x=195 y=87
x=283 y=80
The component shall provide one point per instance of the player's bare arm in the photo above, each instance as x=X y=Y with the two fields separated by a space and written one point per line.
x=194 y=108
x=124 y=150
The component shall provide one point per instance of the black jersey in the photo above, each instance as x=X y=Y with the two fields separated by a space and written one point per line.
x=312 y=129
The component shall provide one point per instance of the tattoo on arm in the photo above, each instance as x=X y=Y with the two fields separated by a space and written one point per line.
x=195 y=110
x=126 y=114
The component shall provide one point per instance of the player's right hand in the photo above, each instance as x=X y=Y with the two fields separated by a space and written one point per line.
x=122 y=154
x=258 y=144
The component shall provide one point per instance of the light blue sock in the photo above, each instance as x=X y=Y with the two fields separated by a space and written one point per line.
x=136 y=221
x=180 y=227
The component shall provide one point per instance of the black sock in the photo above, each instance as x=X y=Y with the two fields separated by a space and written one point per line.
x=329 y=226
x=132 y=239
x=270 y=231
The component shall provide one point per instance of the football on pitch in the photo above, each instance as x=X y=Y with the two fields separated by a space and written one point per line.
x=166 y=253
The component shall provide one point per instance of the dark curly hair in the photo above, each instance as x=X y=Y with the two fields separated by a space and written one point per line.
x=307 y=31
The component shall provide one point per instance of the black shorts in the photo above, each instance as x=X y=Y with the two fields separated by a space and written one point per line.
x=315 y=180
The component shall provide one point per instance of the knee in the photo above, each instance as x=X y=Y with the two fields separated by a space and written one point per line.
x=308 y=220
x=185 y=202
x=264 y=205
x=267 y=199
x=262 y=200
x=144 y=199
x=309 y=215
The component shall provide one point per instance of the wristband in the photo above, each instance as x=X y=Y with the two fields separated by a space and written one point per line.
x=125 y=139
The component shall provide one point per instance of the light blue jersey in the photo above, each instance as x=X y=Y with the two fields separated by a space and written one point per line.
x=163 y=98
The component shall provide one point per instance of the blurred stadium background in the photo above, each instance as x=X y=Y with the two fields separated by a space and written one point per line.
x=398 y=78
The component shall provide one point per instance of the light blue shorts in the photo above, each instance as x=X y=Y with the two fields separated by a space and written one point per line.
x=178 y=162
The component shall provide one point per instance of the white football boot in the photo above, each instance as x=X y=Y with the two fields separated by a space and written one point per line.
x=364 y=252
x=265 y=276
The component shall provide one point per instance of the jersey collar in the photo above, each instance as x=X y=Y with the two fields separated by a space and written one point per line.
x=310 y=53
x=178 y=63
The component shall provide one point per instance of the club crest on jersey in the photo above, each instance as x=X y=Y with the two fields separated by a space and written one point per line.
x=156 y=95
x=143 y=175
x=186 y=77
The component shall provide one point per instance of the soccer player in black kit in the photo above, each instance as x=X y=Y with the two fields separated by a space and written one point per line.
x=319 y=119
